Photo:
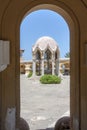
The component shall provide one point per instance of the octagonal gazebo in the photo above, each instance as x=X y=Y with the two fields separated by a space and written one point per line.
x=45 y=55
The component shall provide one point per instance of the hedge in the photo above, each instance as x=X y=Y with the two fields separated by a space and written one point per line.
x=30 y=74
x=50 y=79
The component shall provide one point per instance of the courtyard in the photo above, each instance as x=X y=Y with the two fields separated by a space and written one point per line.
x=43 y=104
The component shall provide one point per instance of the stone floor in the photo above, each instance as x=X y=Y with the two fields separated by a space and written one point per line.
x=42 y=105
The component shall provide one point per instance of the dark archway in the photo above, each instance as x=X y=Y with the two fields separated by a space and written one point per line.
x=38 y=64
x=48 y=57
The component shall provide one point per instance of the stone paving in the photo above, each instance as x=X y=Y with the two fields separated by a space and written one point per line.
x=42 y=105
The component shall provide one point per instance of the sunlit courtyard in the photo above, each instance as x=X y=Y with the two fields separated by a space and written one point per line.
x=42 y=105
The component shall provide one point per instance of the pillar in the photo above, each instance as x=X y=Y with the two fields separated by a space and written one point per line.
x=53 y=68
x=53 y=63
x=34 y=67
x=42 y=65
x=53 y=60
x=57 y=66
x=57 y=62
x=34 y=64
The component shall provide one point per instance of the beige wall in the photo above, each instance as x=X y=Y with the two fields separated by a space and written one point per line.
x=75 y=13
x=28 y=64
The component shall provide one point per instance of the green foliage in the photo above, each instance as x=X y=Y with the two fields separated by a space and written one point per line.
x=50 y=79
x=67 y=55
x=30 y=74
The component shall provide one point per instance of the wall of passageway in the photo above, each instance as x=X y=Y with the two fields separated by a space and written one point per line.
x=75 y=12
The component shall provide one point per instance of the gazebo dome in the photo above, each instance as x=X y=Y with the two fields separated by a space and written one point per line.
x=45 y=42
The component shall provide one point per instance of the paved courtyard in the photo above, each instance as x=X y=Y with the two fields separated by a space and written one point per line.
x=42 y=105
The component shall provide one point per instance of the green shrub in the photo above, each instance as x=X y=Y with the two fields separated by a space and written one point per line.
x=50 y=79
x=30 y=74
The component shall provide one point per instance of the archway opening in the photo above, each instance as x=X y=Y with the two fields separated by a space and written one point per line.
x=25 y=108
x=48 y=57
x=38 y=64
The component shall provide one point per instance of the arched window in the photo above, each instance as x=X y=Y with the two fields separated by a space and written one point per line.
x=56 y=55
x=47 y=55
x=38 y=64
x=38 y=55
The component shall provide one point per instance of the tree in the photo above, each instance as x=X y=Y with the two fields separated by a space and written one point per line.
x=67 y=55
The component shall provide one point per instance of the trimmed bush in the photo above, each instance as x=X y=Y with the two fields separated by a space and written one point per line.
x=30 y=74
x=50 y=79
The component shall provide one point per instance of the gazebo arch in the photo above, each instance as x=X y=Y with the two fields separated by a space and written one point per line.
x=38 y=62
x=48 y=57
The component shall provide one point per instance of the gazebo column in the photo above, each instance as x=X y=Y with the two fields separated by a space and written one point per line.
x=57 y=66
x=34 y=68
x=53 y=63
x=42 y=65
x=53 y=68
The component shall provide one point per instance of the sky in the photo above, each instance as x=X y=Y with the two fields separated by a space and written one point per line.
x=44 y=23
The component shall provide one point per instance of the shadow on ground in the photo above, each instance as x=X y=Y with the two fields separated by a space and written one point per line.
x=46 y=129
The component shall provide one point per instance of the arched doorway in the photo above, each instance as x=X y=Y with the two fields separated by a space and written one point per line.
x=13 y=35
x=49 y=53
x=71 y=25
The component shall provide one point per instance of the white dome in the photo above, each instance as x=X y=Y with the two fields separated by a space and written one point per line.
x=44 y=42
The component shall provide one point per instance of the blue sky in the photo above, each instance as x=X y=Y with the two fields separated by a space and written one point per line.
x=44 y=23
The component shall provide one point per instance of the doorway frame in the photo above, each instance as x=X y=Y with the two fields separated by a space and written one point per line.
x=73 y=24
x=14 y=36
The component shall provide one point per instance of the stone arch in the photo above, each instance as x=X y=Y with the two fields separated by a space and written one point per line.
x=48 y=57
x=25 y=8
x=48 y=54
x=38 y=54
